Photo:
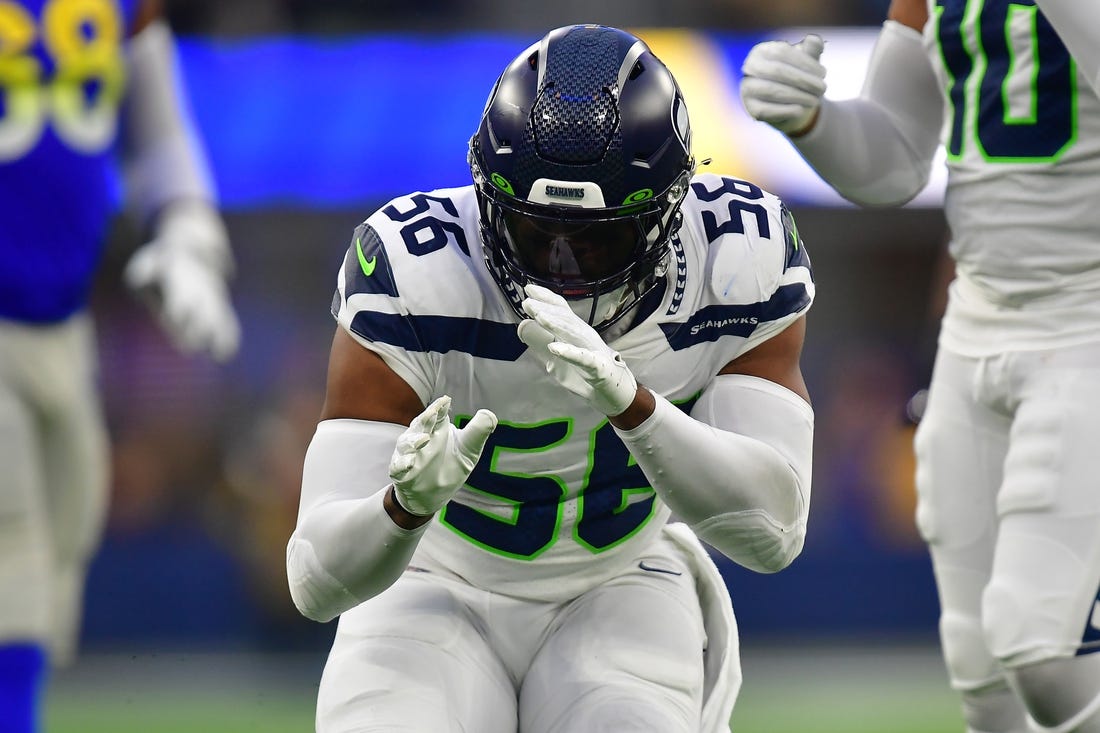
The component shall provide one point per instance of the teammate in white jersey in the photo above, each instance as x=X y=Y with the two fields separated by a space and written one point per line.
x=602 y=339
x=1007 y=463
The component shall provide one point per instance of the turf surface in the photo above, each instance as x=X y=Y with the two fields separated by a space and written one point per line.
x=816 y=689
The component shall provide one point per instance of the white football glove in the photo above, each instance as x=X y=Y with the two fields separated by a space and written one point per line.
x=783 y=83
x=433 y=458
x=181 y=276
x=574 y=353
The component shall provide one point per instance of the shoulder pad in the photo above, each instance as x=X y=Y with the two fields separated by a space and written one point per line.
x=748 y=250
x=367 y=267
x=411 y=279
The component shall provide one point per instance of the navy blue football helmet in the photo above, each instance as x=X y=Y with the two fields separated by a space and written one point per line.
x=581 y=162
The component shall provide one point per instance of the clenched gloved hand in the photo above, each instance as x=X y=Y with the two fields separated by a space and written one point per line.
x=783 y=83
x=574 y=353
x=181 y=276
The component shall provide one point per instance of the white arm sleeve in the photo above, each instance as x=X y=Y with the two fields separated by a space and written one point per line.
x=1078 y=25
x=346 y=548
x=877 y=149
x=737 y=470
x=164 y=162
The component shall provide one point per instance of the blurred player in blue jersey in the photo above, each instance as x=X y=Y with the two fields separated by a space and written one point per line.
x=88 y=90
x=1008 y=466
x=529 y=376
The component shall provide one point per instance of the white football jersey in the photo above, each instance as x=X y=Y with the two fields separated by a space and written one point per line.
x=557 y=505
x=1022 y=135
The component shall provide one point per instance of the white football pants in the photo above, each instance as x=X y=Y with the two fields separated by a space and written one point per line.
x=53 y=480
x=1008 y=477
x=432 y=653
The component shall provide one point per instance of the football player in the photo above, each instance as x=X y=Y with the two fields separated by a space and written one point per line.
x=1005 y=451
x=529 y=375
x=88 y=88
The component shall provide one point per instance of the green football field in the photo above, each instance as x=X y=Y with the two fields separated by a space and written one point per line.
x=860 y=688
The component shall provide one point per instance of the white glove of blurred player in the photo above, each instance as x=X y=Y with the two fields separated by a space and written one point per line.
x=433 y=458
x=574 y=353
x=783 y=83
x=181 y=276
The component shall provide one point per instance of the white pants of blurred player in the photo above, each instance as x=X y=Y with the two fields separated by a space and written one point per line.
x=53 y=480
x=1008 y=480
x=432 y=653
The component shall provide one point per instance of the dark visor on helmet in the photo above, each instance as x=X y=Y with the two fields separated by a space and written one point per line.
x=566 y=252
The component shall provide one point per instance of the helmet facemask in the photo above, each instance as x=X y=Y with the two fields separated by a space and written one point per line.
x=603 y=261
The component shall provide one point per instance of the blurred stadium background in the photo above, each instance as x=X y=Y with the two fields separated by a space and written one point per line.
x=315 y=112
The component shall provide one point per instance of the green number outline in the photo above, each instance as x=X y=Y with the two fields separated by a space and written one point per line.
x=970 y=33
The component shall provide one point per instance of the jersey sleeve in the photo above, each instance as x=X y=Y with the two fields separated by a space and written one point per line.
x=414 y=289
x=793 y=291
x=369 y=305
x=758 y=271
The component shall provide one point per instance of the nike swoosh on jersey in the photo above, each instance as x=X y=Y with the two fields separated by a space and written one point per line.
x=367 y=265
x=651 y=569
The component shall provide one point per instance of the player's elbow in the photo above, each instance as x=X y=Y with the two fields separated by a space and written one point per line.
x=315 y=594
x=754 y=539
x=305 y=607
x=770 y=534
x=895 y=188
x=891 y=200
x=781 y=551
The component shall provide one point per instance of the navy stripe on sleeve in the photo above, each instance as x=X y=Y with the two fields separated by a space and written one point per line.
x=484 y=339
x=715 y=321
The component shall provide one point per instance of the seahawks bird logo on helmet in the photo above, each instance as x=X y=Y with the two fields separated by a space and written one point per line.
x=580 y=163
